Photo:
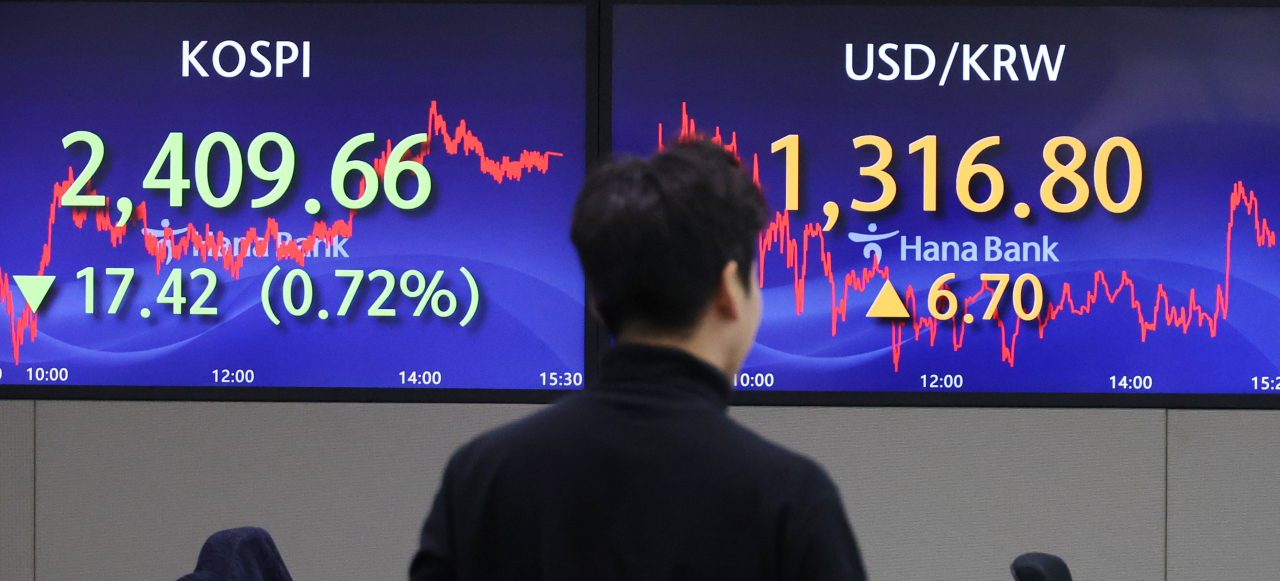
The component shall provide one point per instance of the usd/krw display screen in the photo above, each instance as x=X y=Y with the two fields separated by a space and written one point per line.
x=291 y=195
x=987 y=199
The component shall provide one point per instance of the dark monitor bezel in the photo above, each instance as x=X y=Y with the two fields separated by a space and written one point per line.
x=598 y=139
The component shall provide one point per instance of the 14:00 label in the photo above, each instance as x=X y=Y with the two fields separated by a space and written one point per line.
x=1131 y=382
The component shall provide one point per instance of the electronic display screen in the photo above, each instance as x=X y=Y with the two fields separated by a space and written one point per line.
x=300 y=195
x=991 y=199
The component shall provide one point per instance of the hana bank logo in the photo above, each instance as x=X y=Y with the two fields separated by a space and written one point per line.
x=872 y=248
x=167 y=237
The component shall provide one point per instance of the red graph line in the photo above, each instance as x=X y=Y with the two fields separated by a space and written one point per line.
x=228 y=251
x=464 y=140
x=689 y=130
x=231 y=252
x=21 y=326
x=778 y=234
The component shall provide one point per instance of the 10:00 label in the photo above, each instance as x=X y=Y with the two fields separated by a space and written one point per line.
x=49 y=374
x=753 y=380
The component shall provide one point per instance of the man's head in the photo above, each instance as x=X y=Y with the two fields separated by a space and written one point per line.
x=668 y=247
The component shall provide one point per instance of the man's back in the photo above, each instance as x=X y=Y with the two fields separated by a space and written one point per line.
x=644 y=476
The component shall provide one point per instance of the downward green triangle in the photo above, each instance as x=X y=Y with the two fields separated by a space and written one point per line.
x=34 y=288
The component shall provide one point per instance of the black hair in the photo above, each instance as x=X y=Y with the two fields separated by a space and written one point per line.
x=654 y=235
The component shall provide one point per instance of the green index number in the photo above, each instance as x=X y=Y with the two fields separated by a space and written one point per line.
x=202 y=170
x=175 y=183
x=356 y=276
x=377 y=310
x=127 y=273
x=172 y=152
x=212 y=283
x=172 y=291
x=72 y=196
x=87 y=273
x=282 y=175
x=395 y=166
x=343 y=164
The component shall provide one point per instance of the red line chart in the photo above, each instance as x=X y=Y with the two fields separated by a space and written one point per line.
x=466 y=142
x=779 y=237
x=689 y=130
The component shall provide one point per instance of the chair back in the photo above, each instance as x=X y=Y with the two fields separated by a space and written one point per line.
x=243 y=554
x=1040 y=567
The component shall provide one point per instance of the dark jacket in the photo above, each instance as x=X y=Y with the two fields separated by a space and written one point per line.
x=642 y=476
x=243 y=554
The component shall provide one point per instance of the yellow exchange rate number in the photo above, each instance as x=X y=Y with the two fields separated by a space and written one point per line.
x=939 y=292
x=971 y=168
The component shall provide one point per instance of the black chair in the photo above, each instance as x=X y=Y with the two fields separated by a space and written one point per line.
x=1040 y=567
x=243 y=554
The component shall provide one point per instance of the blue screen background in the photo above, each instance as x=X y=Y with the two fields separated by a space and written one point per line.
x=514 y=73
x=1194 y=89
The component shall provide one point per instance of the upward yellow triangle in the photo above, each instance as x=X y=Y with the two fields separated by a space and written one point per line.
x=887 y=304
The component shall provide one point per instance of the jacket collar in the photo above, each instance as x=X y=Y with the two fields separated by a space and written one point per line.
x=627 y=365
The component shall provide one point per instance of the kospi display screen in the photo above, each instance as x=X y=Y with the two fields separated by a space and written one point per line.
x=987 y=199
x=301 y=195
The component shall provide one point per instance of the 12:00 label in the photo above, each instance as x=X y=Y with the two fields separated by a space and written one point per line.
x=935 y=381
x=233 y=376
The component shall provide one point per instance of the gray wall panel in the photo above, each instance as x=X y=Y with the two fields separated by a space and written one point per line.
x=17 y=440
x=1224 y=495
x=956 y=494
x=130 y=490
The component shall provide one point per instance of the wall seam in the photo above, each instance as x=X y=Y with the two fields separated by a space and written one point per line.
x=1166 y=494
x=34 y=434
